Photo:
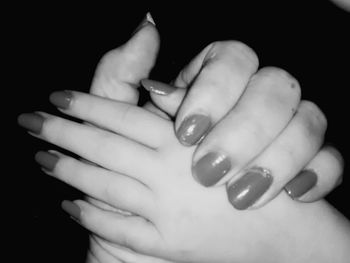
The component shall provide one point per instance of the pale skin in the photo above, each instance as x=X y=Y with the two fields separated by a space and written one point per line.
x=174 y=161
x=170 y=205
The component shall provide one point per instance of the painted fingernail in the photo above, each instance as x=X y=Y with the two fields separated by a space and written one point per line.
x=72 y=209
x=211 y=168
x=157 y=87
x=148 y=19
x=300 y=184
x=247 y=190
x=193 y=129
x=47 y=160
x=31 y=121
x=61 y=99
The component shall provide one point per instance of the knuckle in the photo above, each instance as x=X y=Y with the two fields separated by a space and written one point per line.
x=244 y=50
x=315 y=122
x=235 y=47
x=337 y=156
x=276 y=78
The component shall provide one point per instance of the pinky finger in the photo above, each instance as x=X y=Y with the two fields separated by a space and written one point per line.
x=90 y=258
x=319 y=177
x=99 y=254
x=133 y=232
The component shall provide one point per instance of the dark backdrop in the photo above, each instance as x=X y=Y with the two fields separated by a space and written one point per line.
x=57 y=47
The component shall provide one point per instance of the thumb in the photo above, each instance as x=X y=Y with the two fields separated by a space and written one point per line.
x=120 y=70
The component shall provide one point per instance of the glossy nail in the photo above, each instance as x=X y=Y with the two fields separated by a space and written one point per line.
x=47 y=160
x=31 y=121
x=193 y=129
x=148 y=19
x=72 y=209
x=300 y=184
x=157 y=87
x=211 y=168
x=61 y=99
x=247 y=190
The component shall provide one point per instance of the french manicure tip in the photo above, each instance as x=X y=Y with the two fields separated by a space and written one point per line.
x=150 y=19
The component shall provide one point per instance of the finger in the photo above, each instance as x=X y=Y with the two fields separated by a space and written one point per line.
x=261 y=114
x=128 y=231
x=110 y=187
x=217 y=76
x=120 y=71
x=319 y=177
x=99 y=253
x=268 y=173
x=165 y=96
x=122 y=118
x=106 y=206
x=127 y=255
x=154 y=109
x=104 y=148
x=90 y=258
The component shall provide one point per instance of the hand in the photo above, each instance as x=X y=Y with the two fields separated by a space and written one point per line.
x=106 y=84
x=147 y=173
x=319 y=171
x=252 y=123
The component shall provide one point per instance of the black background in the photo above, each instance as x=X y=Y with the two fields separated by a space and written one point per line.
x=56 y=47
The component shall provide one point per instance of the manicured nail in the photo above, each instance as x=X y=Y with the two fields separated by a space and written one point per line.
x=61 y=99
x=247 y=190
x=72 y=209
x=157 y=87
x=31 y=121
x=211 y=168
x=148 y=19
x=193 y=129
x=46 y=159
x=300 y=184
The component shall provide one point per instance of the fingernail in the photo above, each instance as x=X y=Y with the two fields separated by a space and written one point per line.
x=248 y=189
x=47 y=160
x=72 y=209
x=61 y=99
x=31 y=121
x=148 y=19
x=211 y=168
x=300 y=184
x=193 y=129
x=157 y=87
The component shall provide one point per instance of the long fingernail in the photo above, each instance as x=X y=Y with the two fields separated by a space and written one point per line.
x=193 y=129
x=248 y=189
x=211 y=168
x=148 y=19
x=157 y=87
x=61 y=99
x=47 y=160
x=31 y=121
x=300 y=184
x=72 y=209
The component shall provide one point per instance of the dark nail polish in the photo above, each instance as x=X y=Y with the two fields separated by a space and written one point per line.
x=211 y=168
x=157 y=87
x=193 y=129
x=31 y=121
x=247 y=190
x=72 y=209
x=47 y=160
x=300 y=184
x=61 y=99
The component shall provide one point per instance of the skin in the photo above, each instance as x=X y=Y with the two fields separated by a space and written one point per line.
x=169 y=204
x=103 y=86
